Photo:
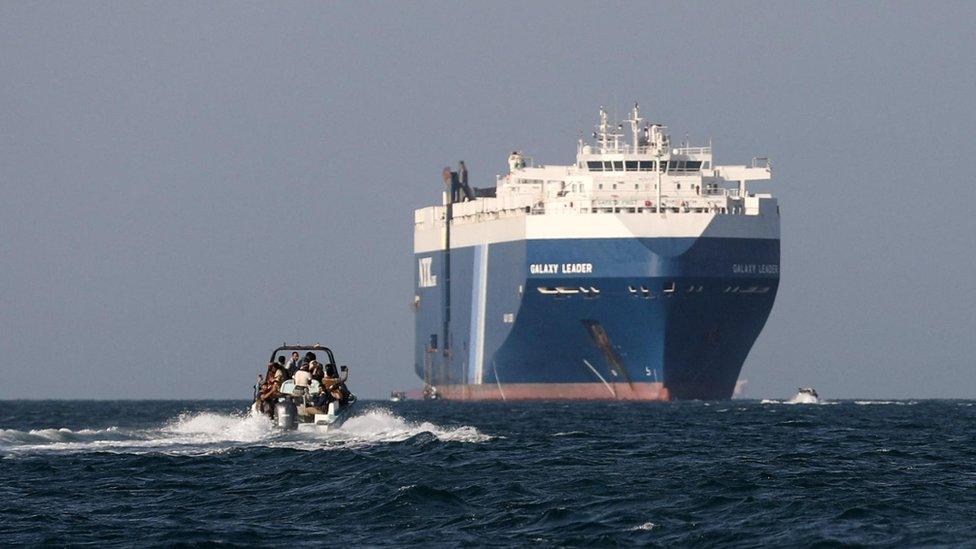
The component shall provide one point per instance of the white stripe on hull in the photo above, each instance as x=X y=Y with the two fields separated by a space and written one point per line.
x=479 y=295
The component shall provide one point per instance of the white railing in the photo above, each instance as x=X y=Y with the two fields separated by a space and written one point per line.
x=710 y=202
x=720 y=191
x=694 y=150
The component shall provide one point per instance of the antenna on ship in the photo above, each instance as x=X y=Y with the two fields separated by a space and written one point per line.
x=606 y=133
x=635 y=121
x=602 y=131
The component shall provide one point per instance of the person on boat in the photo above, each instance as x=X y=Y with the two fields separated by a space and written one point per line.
x=302 y=378
x=316 y=370
x=283 y=367
x=322 y=399
x=334 y=385
x=273 y=373
x=309 y=358
x=271 y=388
x=294 y=363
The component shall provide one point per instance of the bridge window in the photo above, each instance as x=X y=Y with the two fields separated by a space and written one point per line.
x=682 y=165
x=618 y=165
x=595 y=166
x=631 y=165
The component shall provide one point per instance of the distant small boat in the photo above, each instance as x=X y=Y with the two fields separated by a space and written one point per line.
x=398 y=396
x=805 y=395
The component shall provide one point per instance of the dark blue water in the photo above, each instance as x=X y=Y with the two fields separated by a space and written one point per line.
x=727 y=473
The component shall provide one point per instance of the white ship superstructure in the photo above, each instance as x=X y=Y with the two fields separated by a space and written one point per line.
x=646 y=176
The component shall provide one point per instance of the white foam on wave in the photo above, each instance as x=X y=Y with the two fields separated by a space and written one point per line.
x=569 y=433
x=210 y=427
x=13 y=437
x=877 y=402
x=381 y=425
x=205 y=433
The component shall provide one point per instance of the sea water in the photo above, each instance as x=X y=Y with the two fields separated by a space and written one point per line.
x=438 y=473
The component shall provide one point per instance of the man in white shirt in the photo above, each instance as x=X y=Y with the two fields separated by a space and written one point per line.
x=302 y=378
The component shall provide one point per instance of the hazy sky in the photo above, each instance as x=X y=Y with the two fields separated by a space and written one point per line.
x=185 y=185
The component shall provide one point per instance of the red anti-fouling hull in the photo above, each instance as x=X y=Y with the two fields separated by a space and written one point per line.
x=555 y=391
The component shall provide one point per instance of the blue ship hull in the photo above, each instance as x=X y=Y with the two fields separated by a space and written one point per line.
x=601 y=318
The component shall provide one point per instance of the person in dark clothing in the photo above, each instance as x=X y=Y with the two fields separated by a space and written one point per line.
x=294 y=364
x=270 y=389
x=315 y=368
x=335 y=385
x=322 y=400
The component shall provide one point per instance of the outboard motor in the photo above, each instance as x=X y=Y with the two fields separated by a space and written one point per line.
x=286 y=415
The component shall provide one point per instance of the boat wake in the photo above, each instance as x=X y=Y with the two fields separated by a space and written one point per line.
x=208 y=433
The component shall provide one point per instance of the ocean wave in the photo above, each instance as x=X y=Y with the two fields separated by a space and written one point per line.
x=570 y=434
x=205 y=433
x=48 y=436
x=202 y=473
x=879 y=402
x=381 y=425
x=209 y=427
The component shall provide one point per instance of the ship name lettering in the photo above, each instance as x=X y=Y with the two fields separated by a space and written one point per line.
x=752 y=268
x=577 y=268
x=560 y=268
x=543 y=268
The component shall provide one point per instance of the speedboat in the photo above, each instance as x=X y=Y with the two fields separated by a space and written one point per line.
x=307 y=404
x=805 y=395
x=398 y=396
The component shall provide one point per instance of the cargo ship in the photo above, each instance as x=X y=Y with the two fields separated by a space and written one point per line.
x=642 y=271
